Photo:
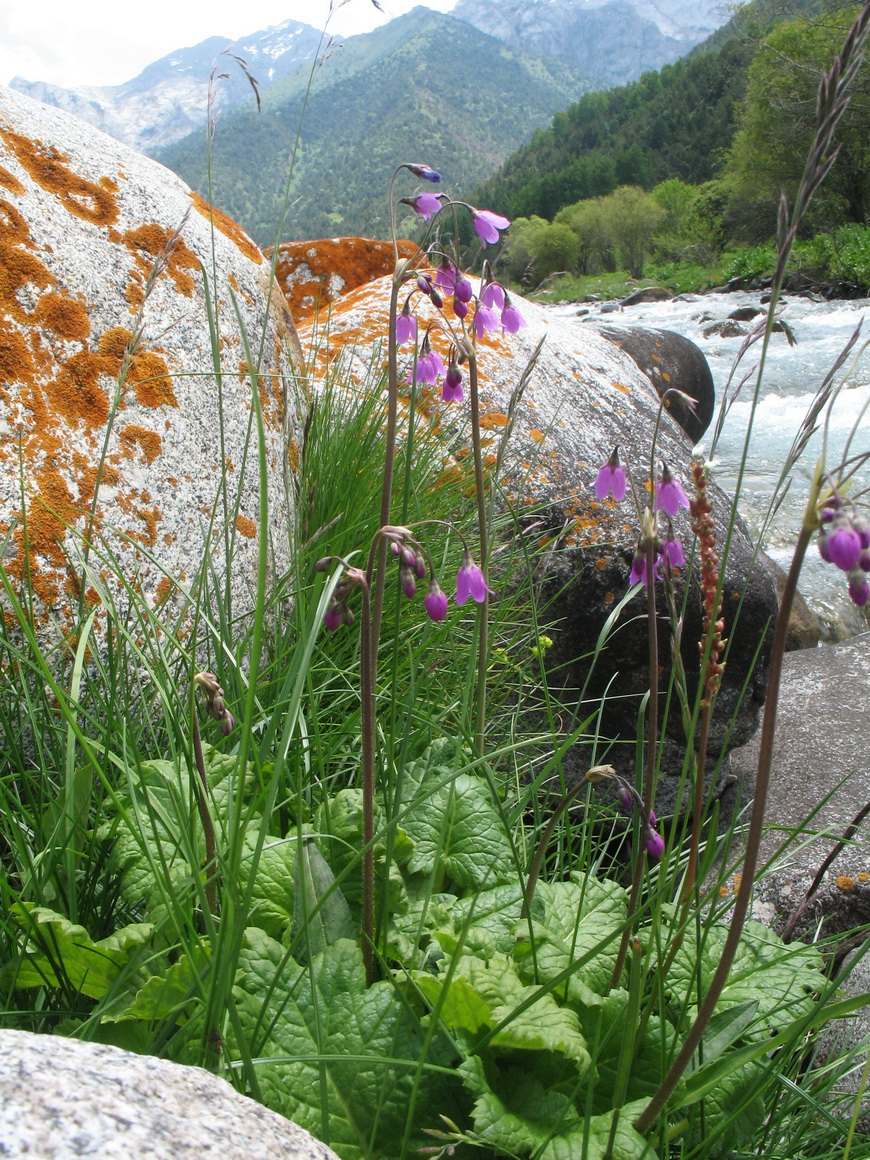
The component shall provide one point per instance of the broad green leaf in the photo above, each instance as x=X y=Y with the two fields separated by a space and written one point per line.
x=570 y=920
x=518 y=1113
x=604 y=1026
x=338 y=828
x=462 y=1006
x=736 y=1107
x=168 y=995
x=457 y=831
x=322 y=914
x=780 y=978
x=64 y=954
x=273 y=887
x=336 y=1057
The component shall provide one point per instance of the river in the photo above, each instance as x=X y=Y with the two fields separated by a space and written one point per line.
x=792 y=376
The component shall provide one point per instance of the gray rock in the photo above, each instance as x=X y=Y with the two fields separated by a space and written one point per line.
x=670 y=360
x=108 y=377
x=819 y=782
x=63 y=1098
x=648 y=294
x=726 y=328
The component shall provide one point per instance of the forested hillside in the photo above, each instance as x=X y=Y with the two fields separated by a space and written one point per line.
x=675 y=123
x=424 y=86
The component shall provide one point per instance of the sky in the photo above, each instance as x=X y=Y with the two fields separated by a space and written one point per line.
x=106 y=42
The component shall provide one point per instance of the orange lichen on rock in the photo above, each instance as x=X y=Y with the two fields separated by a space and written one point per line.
x=227 y=227
x=148 y=242
x=149 y=376
x=66 y=317
x=148 y=442
x=315 y=274
x=76 y=393
x=246 y=527
x=10 y=181
x=94 y=202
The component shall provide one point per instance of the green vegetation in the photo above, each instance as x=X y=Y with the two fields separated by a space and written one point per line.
x=423 y=85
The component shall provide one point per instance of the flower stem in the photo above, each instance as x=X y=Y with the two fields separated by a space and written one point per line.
x=483 y=612
x=205 y=816
x=753 y=841
x=368 y=644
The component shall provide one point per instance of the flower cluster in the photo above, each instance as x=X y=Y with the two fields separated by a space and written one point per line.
x=844 y=540
x=631 y=799
x=702 y=525
x=214 y=701
x=414 y=565
x=669 y=498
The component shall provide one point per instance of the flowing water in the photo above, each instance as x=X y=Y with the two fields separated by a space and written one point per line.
x=791 y=378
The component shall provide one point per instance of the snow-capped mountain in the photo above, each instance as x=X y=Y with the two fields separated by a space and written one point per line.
x=170 y=98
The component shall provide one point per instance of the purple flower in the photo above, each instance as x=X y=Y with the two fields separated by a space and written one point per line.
x=672 y=553
x=844 y=548
x=859 y=590
x=429 y=368
x=611 y=479
x=470 y=581
x=462 y=288
x=406 y=327
x=638 y=569
x=435 y=601
x=451 y=390
x=425 y=204
x=487 y=224
x=670 y=496
x=445 y=276
x=407 y=581
x=484 y=319
x=655 y=843
x=511 y=319
x=332 y=617
x=492 y=295
x=424 y=172
x=460 y=308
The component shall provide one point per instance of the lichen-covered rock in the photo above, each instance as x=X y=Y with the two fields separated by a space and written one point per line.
x=313 y=275
x=63 y=1097
x=116 y=431
x=584 y=396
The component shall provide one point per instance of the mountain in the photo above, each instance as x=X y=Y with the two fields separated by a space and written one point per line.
x=677 y=122
x=425 y=86
x=169 y=99
x=610 y=41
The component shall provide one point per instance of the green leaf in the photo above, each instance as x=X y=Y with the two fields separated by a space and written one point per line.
x=272 y=891
x=65 y=955
x=166 y=996
x=335 y=1057
x=780 y=978
x=456 y=830
x=517 y=1112
x=570 y=920
x=323 y=916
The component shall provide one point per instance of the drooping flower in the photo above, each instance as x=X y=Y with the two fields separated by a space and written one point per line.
x=638 y=569
x=484 y=320
x=451 y=389
x=430 y=367
x=332 y=617
x=611 y=479
x=407 y=581
x=844 y=547
x=654 y=842
x=470 y=581
x=445 y=276
x=406 y=326
x=859 y=590
x=672 y=553
x=462 y=288
x=511 y=319
x=425 y=204
x=435 y=601
x=492 y=295
x=487 y=224
x=424 y=172
x=670 y=496
x=214 y=702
